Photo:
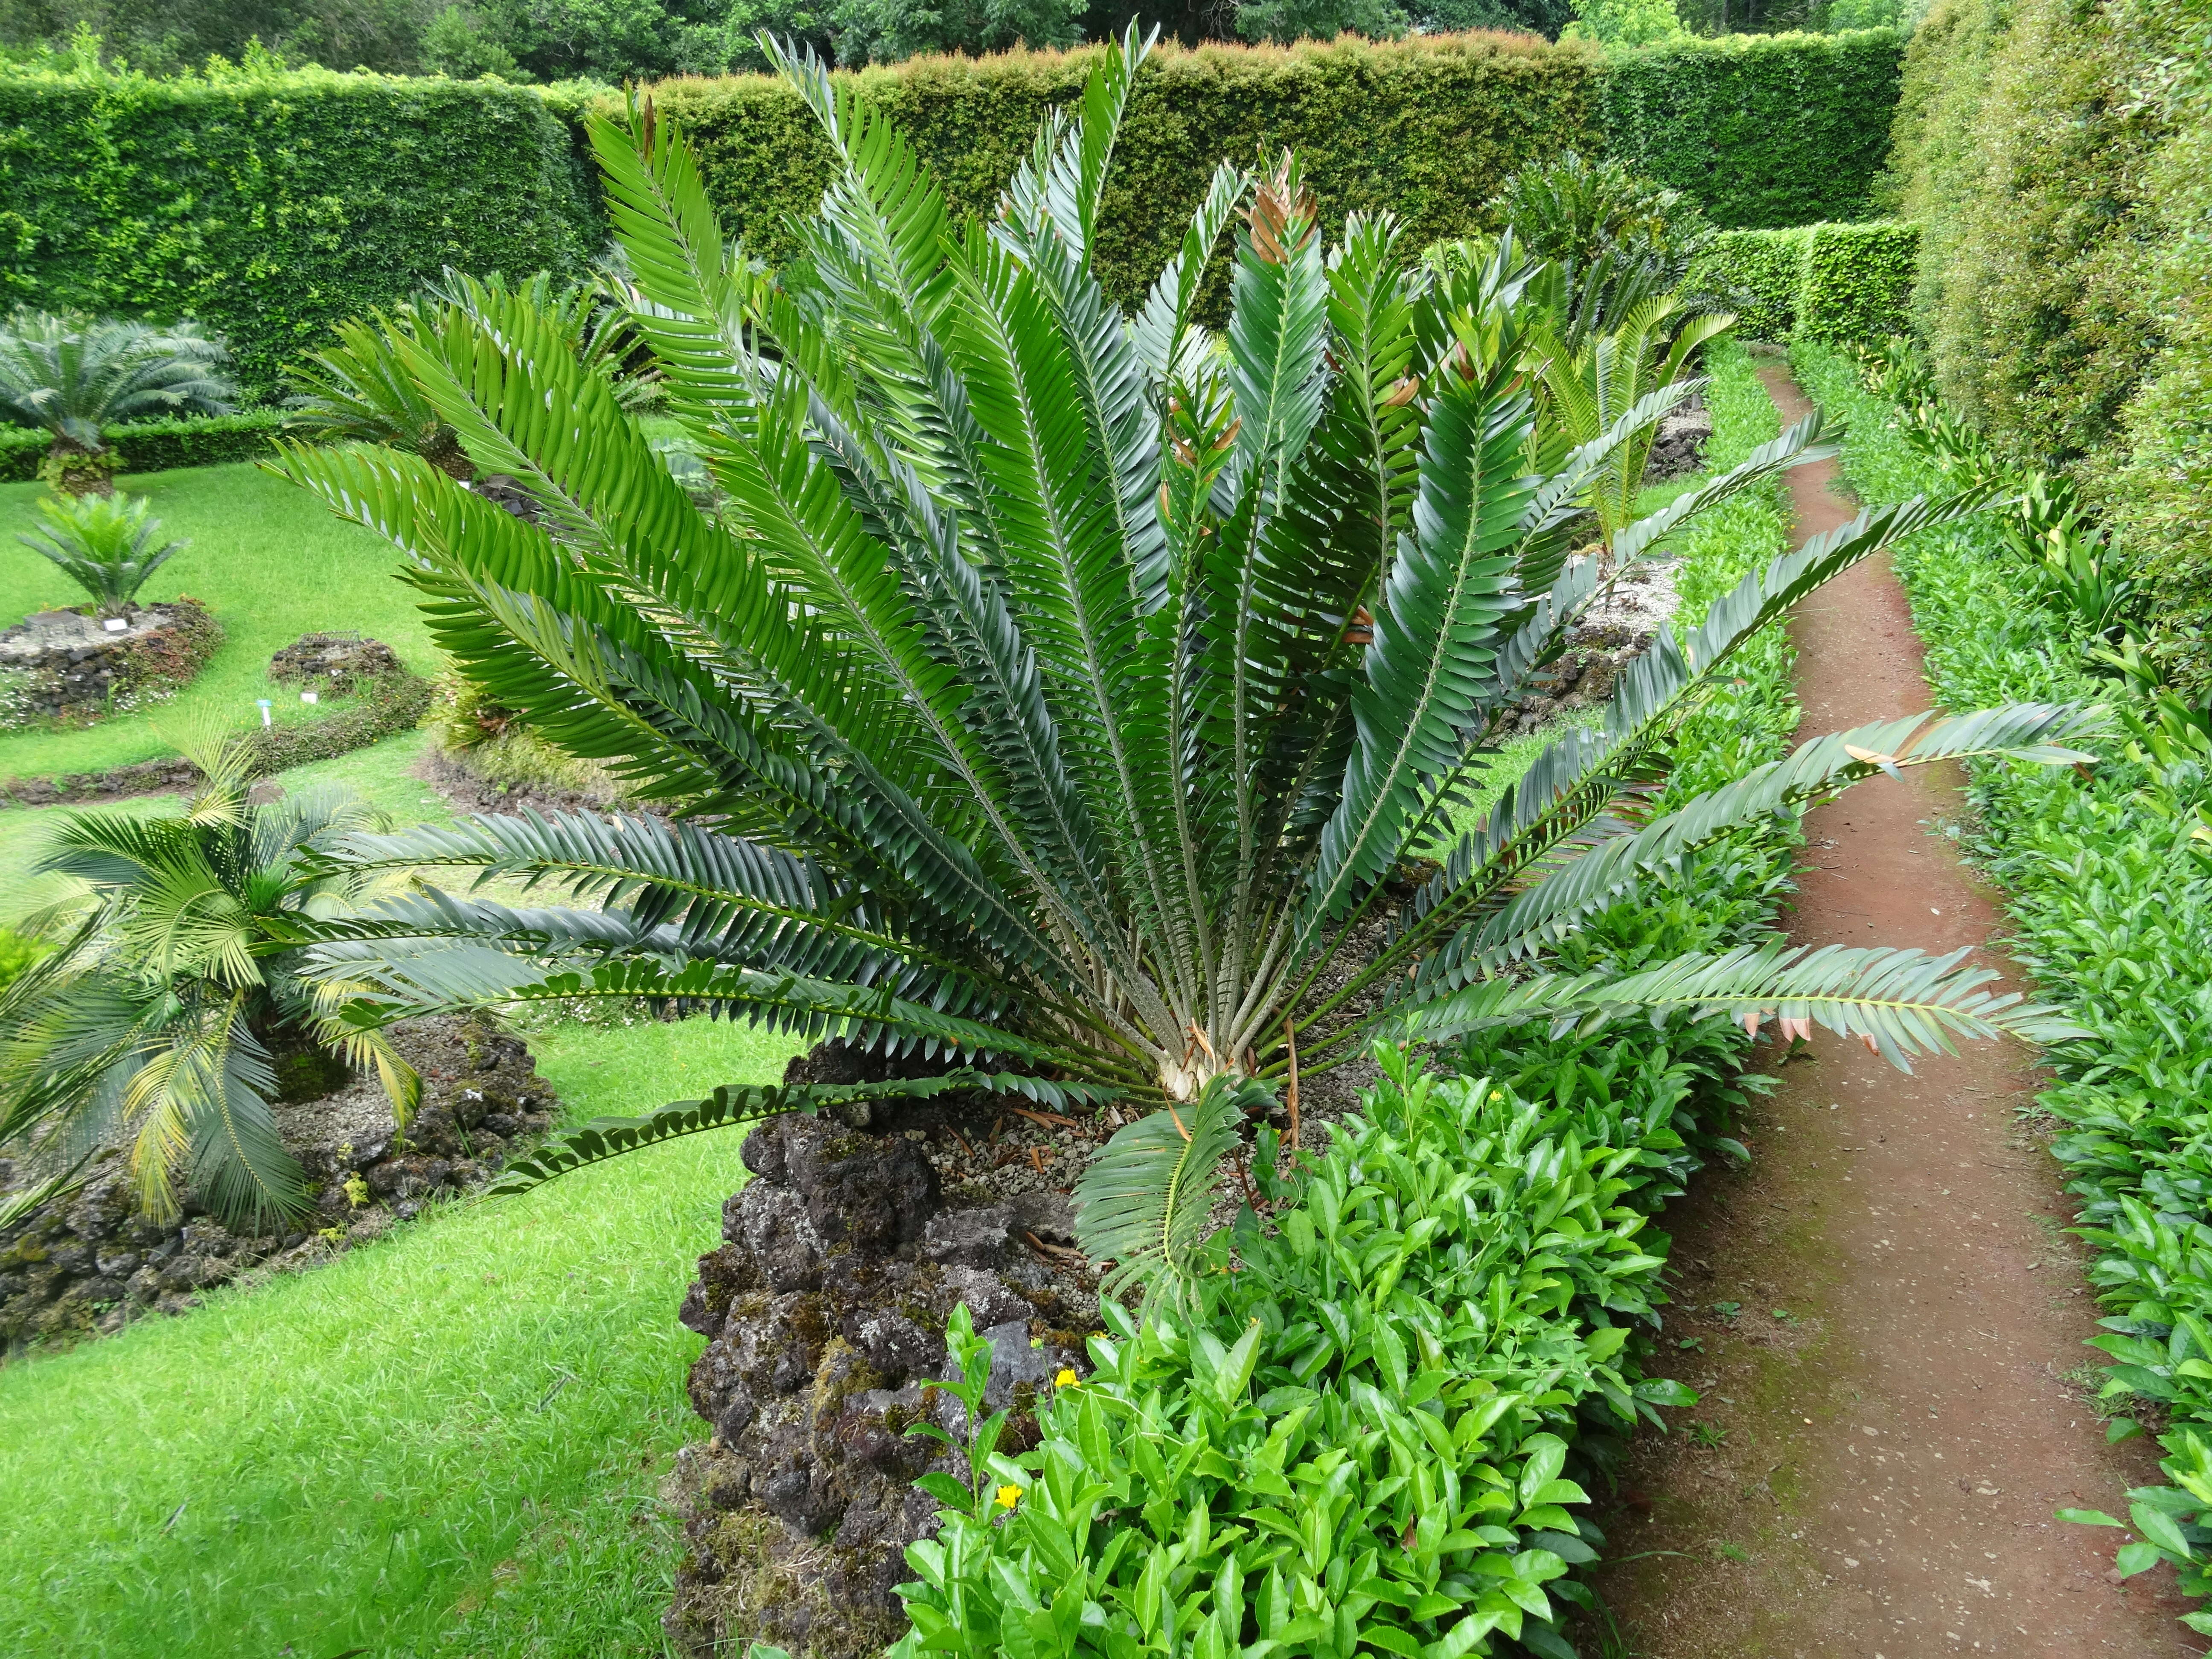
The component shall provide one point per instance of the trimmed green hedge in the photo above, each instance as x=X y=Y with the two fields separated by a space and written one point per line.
x=1784 y=129
x=1426 y=127
x=1765 y=130
x=1857 y=280
x=2065 y=289
x=154 y=446
x=1819 y=282
x=271 y=205
x=1768 y=265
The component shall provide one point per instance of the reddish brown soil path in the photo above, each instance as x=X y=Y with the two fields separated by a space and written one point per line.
x=1884 y=1307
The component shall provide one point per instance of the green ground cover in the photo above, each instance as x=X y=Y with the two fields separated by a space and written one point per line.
x=269 y=562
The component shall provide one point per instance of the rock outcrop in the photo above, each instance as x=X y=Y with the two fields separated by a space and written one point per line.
x=824 y=1311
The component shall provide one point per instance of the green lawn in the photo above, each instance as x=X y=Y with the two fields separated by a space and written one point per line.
x=268 y=559
x=445 y=1443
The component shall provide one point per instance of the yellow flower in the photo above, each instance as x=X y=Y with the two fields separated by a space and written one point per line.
x=1009 y=1496
x=1066 y=1379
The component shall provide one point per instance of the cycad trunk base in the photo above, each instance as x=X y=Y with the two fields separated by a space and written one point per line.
x=1055 y=690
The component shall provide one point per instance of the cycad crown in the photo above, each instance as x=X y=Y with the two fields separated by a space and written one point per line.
x=1058 y=689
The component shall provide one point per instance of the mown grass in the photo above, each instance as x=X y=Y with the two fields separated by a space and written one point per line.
x=270 y=562
x=445 y=1443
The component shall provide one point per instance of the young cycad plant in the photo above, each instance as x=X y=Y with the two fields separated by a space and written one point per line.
x=1055 y=692
x=174 y=1014
x=360 y=390
x=1594 y=385
x=75 y=378
x=104 y=544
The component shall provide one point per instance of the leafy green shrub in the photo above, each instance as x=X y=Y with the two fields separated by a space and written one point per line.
x=271 y=205
x=1360 y=1436
x=17 y=953
x=74 y=377
x=1856 y=280
x=1762 y=130
x=157 y=445
x=104 y=543
x=1192 y=733
x=2110 y=892
x=1764 y=271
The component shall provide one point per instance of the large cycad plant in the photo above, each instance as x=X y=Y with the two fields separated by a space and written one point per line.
x=1060 y=692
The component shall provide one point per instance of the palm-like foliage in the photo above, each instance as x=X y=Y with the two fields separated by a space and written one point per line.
x=74 y=377
x=360 y=390
x=105 y=543
x=174 y=1014
x=1061 y=691
x=1627 y=376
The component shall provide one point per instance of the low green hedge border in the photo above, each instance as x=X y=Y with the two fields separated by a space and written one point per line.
x=389 y=704
x=1824 y=281
x=2109 y=889
x=154 y=446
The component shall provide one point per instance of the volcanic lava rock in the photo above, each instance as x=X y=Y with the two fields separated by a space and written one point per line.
x=824 y=1311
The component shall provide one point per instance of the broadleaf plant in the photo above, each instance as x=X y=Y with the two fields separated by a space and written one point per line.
x=1057 y=693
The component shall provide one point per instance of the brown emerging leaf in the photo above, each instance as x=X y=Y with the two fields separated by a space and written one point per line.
x=1282 y=216
x=1403 y=391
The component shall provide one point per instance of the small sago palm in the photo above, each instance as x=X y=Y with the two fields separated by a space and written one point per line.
x=105 y=543
x=1058 y=692
x=1642 y=363
x=75 y=378
x=360 y=390
x=174 y=1014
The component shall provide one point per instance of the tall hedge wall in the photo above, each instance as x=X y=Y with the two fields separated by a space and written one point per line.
x=2058 y=154
x=1765 y=130
x=1780 y=130
x=271 y=205
x=1425 y=127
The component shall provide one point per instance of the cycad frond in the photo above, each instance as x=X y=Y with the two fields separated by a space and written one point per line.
x=1144 y=1202
x=1900 y=1003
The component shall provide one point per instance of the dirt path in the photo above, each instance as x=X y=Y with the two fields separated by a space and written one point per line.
x=1881 y=1313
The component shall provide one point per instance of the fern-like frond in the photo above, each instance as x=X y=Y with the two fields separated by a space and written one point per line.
x=1144 y=1202
x=1900 y=1002
x=1519 y=924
